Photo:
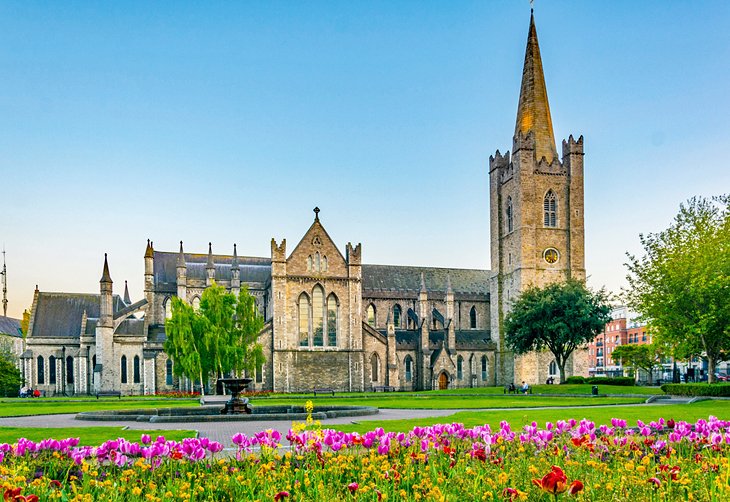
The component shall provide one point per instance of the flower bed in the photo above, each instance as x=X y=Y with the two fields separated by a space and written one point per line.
x=565 y=460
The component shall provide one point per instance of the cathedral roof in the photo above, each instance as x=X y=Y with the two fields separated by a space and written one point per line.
x=405 y=278
x=252 y=269
x=533 y=110
x=10 y=326
x=472 y=339
x=59 y=314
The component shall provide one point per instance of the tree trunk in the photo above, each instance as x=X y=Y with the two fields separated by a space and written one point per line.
x=711 y=369
x=651 y=371
x=561 y=367
x=202 y=385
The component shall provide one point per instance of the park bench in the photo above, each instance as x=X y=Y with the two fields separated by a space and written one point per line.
x=109 y=393
x=384 y=388
x=324 y=391
x=511 y=389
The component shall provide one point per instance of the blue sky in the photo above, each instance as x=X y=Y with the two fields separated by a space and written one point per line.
x=229 y=121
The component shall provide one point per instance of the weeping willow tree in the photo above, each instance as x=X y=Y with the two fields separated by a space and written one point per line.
x=220 y=338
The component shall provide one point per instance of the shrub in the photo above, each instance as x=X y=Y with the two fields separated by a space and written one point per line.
x=697 y=389
x=10 y=380
x=575 y=380
x=622 y=381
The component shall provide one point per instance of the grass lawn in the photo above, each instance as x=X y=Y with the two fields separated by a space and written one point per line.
x=93 y=436
x=581 y=389
x=49 y=406
x=518 y=418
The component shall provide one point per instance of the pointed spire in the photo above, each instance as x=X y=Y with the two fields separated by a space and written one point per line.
x=533 y=110
x=127 y=300
x=181 y=257
x=149 y=252
x=234 y=263
x=423 y=284
x=105 y=277
x=448 y=283
x=210 y=256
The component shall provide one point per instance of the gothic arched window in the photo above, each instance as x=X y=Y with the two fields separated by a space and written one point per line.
x=69 y=369
x=168 y=372
x=409 y=368
x=324 y=263
x=136 y=370
x=509 y=214
x=309 y=263
x=396 y=315
x=473 y=318
x=52 y=370
x=460 y=368
x=318 y=315
x=484 y=368
x=303 y=320
x=168 y=307
x=553 y=369
x=196 y=303
x=124 y=369
x=371 y=315
x=375 y=367
x=41 y=370
x=331 y=321
x=550 y=206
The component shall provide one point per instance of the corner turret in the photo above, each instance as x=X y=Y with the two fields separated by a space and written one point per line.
x=182 y=275
x=235 y=273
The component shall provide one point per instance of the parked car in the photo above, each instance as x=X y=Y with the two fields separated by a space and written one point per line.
x=721 y=377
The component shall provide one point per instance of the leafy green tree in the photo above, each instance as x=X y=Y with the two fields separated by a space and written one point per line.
x=9 y=377
x=682 y=283
x=559 y=317
x=219 y=339
x=644 y=357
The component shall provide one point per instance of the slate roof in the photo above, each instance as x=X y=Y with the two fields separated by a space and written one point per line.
x=59 y=314
x=252 y=269
x=406 y=278
x=10 y=326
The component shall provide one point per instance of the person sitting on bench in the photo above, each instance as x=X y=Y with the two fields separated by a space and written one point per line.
x=525 y=387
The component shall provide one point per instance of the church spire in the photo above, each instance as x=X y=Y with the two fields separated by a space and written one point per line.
x=105 y=277
x=127 y=299
x=533 y=110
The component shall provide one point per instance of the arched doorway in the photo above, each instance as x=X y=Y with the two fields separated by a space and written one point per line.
x=443 y=381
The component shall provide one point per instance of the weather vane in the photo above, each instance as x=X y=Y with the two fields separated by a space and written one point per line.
x=532 y=4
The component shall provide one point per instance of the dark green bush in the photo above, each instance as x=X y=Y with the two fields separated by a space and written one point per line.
x=697 y=389
x=623 y=381
x=575 y=380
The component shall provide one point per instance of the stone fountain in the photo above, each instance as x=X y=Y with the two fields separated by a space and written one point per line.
x=236 y=405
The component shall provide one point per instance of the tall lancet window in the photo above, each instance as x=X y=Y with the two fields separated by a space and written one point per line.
x=509 y=214
x=303 y=320
x=318 y=315
x=550 y=205
x=331 y=321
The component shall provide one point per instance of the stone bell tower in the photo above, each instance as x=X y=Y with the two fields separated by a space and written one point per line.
x=536 y=217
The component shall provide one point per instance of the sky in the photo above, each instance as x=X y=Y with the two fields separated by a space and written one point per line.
x=229 y=122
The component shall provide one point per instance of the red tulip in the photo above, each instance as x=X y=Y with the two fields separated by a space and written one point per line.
x=353 y=487
x=553 y=482
x=575 y=487
x=655 y=481
x=281 y=495
x=510 y=493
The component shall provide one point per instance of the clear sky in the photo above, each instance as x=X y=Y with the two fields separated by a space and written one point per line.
x=229 y=121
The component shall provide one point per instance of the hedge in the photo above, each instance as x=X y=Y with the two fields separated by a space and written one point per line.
x=575 y=380
x=697 y=389
x=622 y=381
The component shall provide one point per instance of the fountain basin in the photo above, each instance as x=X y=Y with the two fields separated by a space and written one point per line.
x=213 y=414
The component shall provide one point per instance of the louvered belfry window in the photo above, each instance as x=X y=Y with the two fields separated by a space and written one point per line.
x=550 y=207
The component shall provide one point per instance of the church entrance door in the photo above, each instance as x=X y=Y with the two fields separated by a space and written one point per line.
x=443 y=381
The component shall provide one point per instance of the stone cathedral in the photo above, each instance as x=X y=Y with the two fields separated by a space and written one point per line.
x=333 y=321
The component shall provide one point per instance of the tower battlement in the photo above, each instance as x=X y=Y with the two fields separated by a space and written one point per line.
x=278 y=251
x=571 y=146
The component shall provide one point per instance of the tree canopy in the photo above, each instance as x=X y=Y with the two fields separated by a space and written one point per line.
x=559 y=317
x=217 y=340
x=10 y=379
x=644 y=357
x=681 y=286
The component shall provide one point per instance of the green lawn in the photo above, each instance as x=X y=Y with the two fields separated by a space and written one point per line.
x=518 y=418
x=93 y=436
x=445 y=401
x=49 y=406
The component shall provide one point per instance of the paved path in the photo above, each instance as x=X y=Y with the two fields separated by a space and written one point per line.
x=218 y=431
x=223 y=431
